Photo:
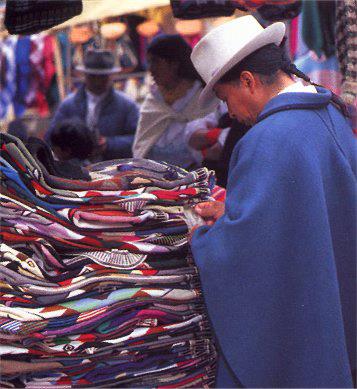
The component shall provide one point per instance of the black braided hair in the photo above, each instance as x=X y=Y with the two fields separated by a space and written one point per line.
x=267 y=61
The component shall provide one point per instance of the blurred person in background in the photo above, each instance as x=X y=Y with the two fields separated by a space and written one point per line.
x=222 y=132
x=109 y=114
x=72 y=141
x=19 y=129
x=163 y=132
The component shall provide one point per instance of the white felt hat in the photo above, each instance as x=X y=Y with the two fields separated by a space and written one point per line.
x=225 y=46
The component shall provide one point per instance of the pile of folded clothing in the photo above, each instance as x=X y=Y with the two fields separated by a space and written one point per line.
x=97 y=283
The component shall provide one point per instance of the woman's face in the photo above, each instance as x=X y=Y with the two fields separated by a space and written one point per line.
x=163 y=72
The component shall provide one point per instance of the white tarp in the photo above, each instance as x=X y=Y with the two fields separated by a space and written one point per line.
x=99 y=9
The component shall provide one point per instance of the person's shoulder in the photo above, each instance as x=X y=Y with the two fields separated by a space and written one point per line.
x=292 y=122
x=285 y=130
x=69 y=100
x=278 y=123
x=123 y=98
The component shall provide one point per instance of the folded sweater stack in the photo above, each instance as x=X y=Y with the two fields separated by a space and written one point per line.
x=97 y=283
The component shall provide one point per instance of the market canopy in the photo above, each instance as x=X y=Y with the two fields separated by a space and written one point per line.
x=99 y=9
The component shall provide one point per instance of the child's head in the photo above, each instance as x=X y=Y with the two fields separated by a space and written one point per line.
x=19 y=129
x=72 y=139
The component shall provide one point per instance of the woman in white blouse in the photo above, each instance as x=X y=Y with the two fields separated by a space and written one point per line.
x=164 y=132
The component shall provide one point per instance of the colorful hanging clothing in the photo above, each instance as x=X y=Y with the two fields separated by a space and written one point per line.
x=23 y=73
x=318 y=26
x=196 y=9
x=42 y=71
x=322 y=71
x=8 y=74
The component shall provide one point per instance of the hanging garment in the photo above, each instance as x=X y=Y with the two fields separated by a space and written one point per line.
x=252 y=5
x=48 y=62
x=321 y=70
x=23 y=74
x=274 y=12
x=36 y=55
x=196 y=9
x=125 y=52
x=318 y=24
x=33 y=16
x=42 y=72
x=8 y=74
x=293 y=38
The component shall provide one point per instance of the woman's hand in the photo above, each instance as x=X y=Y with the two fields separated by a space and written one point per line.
x=100 y=146
x=198 y=139
x=214 y=152
x=210 y=211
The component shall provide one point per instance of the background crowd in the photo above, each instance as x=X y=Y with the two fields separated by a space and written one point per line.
x=156 y=115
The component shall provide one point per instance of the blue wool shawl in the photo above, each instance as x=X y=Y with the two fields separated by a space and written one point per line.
x=278 y=270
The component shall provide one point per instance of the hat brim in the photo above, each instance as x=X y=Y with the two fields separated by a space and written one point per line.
x=271 y=34
x=101 y=72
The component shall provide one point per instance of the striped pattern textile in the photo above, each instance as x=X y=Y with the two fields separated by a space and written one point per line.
x=97 y=285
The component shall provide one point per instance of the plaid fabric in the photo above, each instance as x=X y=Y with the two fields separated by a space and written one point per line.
x=252 y=5
x=32 y=16
x=346 y=43
x=196 y=9
x=278 y=12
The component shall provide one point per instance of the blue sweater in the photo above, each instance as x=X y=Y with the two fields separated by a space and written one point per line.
x=117 y=120
x=278 y=269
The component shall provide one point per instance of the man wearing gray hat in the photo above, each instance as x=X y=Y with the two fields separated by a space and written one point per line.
x=109 y=114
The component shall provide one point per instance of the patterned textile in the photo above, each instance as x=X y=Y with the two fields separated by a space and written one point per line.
x=273 y=12
x=346 y=38
x=32 y=16
x=219 y=194
x=323 y=71
x=196 y=9
x=23 y=73
x=8 y=74
x=42 y=71
x=251 y=5
x=97 y=283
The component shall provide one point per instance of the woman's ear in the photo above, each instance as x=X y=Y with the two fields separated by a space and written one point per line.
x=247 y=80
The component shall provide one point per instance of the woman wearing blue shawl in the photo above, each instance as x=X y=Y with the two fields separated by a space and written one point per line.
x=277 y=263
